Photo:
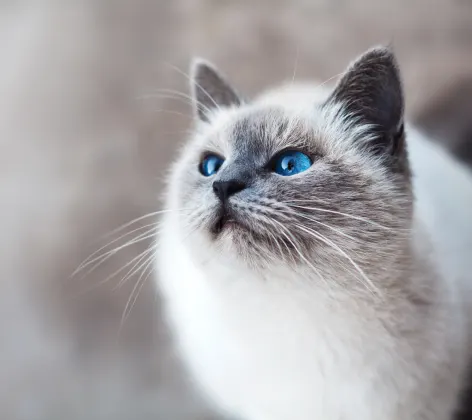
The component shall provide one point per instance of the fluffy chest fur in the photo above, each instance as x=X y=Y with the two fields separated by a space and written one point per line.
x=277 y=348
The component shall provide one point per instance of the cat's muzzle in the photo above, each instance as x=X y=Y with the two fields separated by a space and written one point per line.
x=226 y=219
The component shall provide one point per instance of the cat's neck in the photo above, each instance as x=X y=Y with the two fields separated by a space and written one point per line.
x=408 y=272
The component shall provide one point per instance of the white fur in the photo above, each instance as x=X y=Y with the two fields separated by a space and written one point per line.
x=272 y=349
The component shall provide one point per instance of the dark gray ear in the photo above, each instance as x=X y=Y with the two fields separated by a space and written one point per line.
x=210 y=90
x=371 y=92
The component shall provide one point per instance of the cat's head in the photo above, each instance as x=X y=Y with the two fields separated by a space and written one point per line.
x=308 y=182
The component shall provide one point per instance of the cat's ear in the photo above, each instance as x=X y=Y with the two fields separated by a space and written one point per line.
x=371 y=93
x=210 y=90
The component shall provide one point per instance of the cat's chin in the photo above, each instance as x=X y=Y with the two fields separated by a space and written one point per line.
x=242 y=245
x=235 y=231
x=225 y=224
x=237 y=237
x=228 y=222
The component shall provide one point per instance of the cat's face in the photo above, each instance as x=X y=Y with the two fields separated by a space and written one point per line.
x=329 y=184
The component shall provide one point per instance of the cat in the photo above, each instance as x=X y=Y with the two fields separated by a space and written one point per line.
x=315 y=258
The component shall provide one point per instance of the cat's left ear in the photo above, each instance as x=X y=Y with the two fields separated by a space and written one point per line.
x=371 y=93
x=210 y=90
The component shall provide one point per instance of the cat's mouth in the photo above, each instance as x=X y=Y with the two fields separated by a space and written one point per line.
x=226 y=221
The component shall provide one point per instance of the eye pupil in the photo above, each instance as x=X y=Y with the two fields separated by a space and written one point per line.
x=210 y=165
x=291 y=162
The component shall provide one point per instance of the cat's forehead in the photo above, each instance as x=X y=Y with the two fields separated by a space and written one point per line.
x=261 y=131
x=258 y=132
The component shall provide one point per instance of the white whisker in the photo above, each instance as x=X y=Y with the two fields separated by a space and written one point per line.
x=176 y=95
x=138 y=219
x=114 y=274
x=100 y=259
x=340 y=232
x=97 y=261
x=191 y=80
x=136 y=291
x=329 y=80
x=370 y=285
x=87 y=260
x=362 y=219
x=317 y=272
x=137 y=266
x=171 y=112
x=296 y=64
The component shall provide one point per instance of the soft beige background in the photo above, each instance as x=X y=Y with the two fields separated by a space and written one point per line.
x=83 y=153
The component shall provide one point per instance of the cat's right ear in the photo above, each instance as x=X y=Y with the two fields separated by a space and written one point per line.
x=371 y=92
x=210 y=90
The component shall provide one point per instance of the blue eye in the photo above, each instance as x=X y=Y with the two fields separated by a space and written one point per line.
x=291 y=162
x=210 y=165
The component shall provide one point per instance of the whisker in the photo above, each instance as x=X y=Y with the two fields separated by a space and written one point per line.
x=176 y=95
x=288 y=250
x=319 y=236
x=277 y=244
x=87 y=260
x=296 y=64
x=329 y=80
x=338 y=231
x=297 y=214
x=136 y=267
x=91 y=259
x=193 y=81
x=136 y=291
x=157 y=92
x=114 y=274
x=170 y=112
x=266 y=219
x=138 y=219
x=97 y=261
x=362 y=219
x=317 y=272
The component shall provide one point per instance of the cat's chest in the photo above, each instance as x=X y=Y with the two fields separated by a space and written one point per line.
x=294 y=342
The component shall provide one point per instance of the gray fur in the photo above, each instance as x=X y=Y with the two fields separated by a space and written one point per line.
x=371 y=91
x=210 y=90
x=333 y=184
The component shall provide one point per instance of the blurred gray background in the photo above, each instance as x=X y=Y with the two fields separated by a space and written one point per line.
x=87 y=133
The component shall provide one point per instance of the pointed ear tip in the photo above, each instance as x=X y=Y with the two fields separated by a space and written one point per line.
x=198 y=64
x=383 y=51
